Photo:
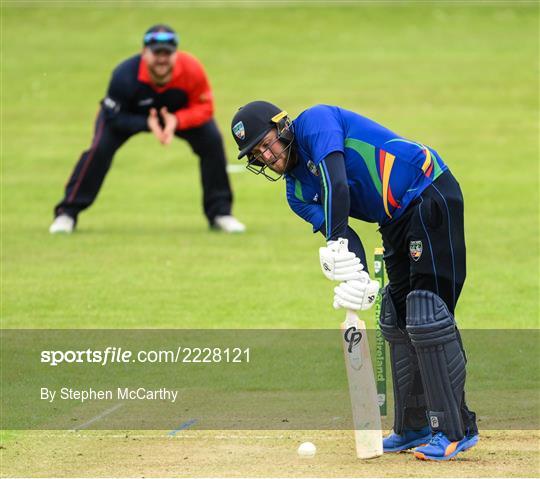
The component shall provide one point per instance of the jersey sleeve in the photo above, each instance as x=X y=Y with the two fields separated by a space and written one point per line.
x=200 y=107
x=310 y=212
x=116 y=104
x=335 y=195
x=321 y=133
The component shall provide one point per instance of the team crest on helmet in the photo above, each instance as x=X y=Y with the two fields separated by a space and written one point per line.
x=312 y=168
x=415 y=250
x=239 y=130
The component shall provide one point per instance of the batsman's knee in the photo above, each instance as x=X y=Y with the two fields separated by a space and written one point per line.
x=389 y=319
x=428 y=319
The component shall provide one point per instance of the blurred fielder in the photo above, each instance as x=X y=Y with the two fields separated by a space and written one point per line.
x=167 y=93
x=338 y=164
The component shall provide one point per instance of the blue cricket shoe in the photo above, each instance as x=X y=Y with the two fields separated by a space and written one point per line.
x=408 y=439
x=440 y=448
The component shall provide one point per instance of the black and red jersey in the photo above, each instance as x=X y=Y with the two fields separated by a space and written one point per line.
x=131 y=94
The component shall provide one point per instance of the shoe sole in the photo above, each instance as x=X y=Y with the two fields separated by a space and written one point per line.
x=467 y=445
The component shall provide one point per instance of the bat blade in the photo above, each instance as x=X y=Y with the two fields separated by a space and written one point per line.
x=362 y=389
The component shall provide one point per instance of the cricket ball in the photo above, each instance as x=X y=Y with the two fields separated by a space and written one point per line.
x=307 y=449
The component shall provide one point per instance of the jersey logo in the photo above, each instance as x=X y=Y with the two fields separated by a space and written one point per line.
x=312 y=168
x=415 y=250
x=110 y=104
x=239 y=130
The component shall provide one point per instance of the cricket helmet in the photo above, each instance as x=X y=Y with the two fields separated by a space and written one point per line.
x=253 y=121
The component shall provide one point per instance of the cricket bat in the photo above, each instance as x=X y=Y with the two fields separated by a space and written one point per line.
x=362 y=389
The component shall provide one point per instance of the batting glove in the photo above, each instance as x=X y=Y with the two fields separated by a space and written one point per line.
x=338 y=263
x=357 y=295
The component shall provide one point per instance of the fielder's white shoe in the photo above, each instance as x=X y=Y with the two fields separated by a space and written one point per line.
x=228 y=224
x=62 y=224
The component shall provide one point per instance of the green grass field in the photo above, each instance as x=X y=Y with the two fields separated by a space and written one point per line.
x=462 y=78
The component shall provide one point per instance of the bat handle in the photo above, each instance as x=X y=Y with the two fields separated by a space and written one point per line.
x=351 y=316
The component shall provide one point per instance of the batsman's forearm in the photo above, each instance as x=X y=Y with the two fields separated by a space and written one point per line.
x=335 y=195
x=356 y=246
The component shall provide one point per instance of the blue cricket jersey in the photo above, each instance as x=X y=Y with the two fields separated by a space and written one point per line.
x=385 y=172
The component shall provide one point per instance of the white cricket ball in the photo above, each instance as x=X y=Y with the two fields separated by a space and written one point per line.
x=307 y=449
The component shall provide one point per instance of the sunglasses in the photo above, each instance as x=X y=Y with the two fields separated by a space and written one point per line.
x=161 y=37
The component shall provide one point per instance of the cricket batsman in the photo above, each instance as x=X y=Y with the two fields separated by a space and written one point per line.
x=338 y=164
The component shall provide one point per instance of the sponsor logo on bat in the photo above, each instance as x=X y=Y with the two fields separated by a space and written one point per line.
x=352 y=336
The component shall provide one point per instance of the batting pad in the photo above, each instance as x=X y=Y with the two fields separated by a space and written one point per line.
x=433 y=333
x=409 y=400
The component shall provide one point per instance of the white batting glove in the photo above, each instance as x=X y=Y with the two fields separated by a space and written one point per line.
x=338 y=263
x=357 y=295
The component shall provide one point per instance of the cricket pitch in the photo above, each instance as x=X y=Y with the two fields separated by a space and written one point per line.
x=249 y=454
